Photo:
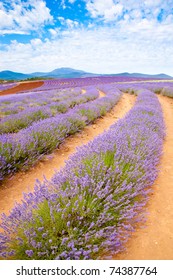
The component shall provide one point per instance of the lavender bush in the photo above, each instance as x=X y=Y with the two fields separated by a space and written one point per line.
x=90 y=206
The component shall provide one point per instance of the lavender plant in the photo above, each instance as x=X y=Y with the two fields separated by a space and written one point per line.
x=90 y=206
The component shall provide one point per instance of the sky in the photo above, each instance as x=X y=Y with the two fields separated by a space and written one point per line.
x=98 y=36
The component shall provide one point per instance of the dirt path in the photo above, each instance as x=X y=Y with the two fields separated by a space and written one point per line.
x=101 y=94
x=22 y=87
x=155 y=241
x=12 y=189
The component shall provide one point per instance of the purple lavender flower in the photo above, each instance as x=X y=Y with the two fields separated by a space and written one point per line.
x=40 y=229
x=29 y=253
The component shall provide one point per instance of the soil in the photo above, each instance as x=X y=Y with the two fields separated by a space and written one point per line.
x=23 y=86
x=12 y=189
x=155 y=240
x=101 y=93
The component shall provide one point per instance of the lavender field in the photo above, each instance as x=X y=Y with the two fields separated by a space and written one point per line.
x=89 y=208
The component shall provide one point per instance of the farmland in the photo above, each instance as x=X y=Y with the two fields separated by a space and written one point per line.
x=97 y=198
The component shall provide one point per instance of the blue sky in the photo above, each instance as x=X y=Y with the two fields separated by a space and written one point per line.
x=99 y=36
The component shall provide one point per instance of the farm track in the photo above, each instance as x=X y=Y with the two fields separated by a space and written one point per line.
x=22 y=87
x=12 y=189
x=155 y=241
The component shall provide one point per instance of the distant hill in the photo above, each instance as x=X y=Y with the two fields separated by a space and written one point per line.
x=57 y=73
x=9 y=75
x=72 y=73
x=68 y=73
x=139 y=75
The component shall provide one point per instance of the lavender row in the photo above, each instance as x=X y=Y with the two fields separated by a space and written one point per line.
x=25 y=118
x=7 y=86
x=90 y=207
x=48 y=92
x=165 y=91
x=24 y=148
x=161 y=87
x=73 y=82
x=14 y=104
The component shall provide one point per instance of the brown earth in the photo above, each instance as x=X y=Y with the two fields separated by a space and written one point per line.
x=12 y=189
x=23 y=86
x=155 y=240
x=101 y=93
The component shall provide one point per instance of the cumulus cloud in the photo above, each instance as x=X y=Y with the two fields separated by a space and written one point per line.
x=130 y=38
x=54 y=32
x=68 y=23
x=105 y=9
x=71 y=23
x=112 y=9
x=101 y=50
x=23 y=17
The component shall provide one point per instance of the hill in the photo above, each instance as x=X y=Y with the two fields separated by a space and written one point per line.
x=72 y=73
x=140 y=75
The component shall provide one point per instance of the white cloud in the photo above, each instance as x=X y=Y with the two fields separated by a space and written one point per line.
x=65 y=2
x=153 y=3
x=106 y=9
x=68 y=22
x=54 y=32
x=61 y=19
x=138 y=47
x=23 y=17
x=110 y=10
x=11 y=31
x=71 y=23
x=113 y=13
x=135 y=41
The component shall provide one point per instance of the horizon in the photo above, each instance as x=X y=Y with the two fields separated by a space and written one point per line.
x=125 y=72
x=96 y=36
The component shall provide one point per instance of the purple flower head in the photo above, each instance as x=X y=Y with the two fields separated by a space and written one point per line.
x=29 y=253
